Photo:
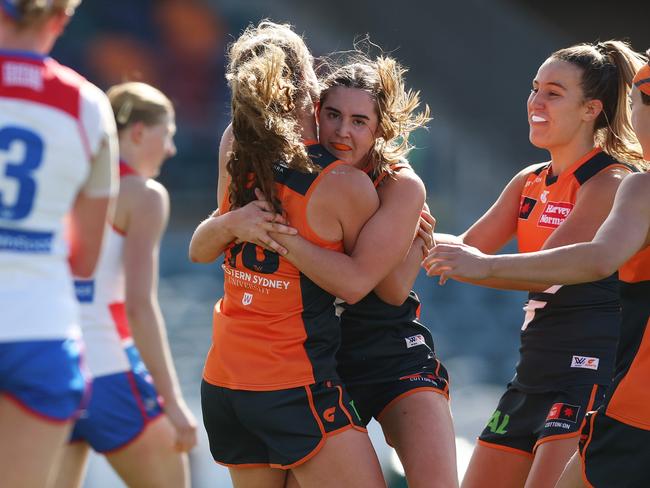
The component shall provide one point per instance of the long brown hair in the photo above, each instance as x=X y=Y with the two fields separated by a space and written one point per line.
x=607 y=72
x=383 y=79
x=271 y=79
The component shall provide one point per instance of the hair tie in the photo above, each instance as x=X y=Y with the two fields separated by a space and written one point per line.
x=124 y=113
x=642 y=79
x=10 y=8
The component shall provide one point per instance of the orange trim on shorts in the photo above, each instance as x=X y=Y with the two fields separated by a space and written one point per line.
x=408 y=393
x=510 y=450
x=345 y=410
x=46 y=418
x=316 y=450
x=584 y=450
x=312 y=407
x=555 y=437
x=590 y=404
x=303 y=460
x=252 y=465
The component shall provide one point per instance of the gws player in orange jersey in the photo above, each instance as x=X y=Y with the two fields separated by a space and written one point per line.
x=615 y=439
x=58 y=161
x=386 y=359
x=578 y=111
x=126 y=344
x=271 y=396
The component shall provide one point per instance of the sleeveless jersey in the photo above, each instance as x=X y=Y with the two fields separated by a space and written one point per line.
x=630 y=401
x=104 y=323
x=570 y=332
x=52 y=122
x=380 y=340
x=274 y=328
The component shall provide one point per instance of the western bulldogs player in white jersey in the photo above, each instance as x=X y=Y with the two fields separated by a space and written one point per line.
x=143 y=439
x=58 y=159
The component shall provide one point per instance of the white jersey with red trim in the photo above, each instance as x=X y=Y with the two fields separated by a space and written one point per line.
x=52 y=124
x=103 y=315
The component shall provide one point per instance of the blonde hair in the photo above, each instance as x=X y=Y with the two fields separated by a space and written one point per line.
x=607 y=72
x=31 y=12
x=271 y=78
x=395 y=106
x=138 y=102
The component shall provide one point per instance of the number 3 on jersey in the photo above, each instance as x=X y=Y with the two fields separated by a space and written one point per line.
x=18 y=171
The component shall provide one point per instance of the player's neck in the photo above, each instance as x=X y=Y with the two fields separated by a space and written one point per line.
x=12 y=40
x=562 y=157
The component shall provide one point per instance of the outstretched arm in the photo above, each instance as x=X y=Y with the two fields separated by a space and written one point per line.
x=625 y=232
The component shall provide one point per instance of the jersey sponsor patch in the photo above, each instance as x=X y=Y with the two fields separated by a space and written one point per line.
x=526 y=207
x=416 y=340
x=22 y=75
x=247 y=298
x=554 y=214
x=584 y=362
x=85 y=290
x=563 y=411
x=25 y=241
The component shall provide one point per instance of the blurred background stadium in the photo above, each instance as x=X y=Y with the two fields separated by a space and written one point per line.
x=473 y=62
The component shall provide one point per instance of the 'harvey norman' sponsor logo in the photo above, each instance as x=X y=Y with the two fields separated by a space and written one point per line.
x=554 y=214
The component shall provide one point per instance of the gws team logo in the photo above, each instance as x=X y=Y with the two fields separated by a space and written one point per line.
x=544 y=196
x=554 y=214
x=584 y=362
x=416 y=340
x=563 y=412
x=526 y=207
x=247 y=299
x=328 y=414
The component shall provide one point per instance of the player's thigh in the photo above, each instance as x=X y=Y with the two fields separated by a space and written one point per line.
x=345 y=459
x=494 y=462
x=550 y=460
x=29 y=446
x=572 y=475
x=151 y=459
x=419 y=426
x=71 y=467
x=254 y=477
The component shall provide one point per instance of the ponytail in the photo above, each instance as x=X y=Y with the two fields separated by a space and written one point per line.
x=607 y=72
x=265 y=127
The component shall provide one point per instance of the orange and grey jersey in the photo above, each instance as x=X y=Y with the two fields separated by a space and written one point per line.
x=570 y=332
x=274 y=328
x=629 y=398
x=379 y=340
